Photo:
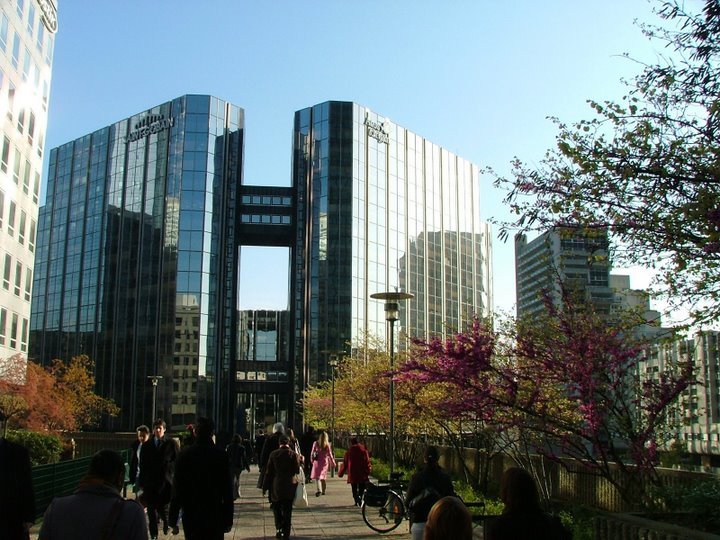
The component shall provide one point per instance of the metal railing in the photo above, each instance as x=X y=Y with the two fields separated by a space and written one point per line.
x=59 y=479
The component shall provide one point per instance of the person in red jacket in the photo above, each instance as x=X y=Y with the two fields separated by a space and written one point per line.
x=356 y=464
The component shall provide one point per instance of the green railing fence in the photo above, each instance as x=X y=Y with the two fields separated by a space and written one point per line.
x=58 y=479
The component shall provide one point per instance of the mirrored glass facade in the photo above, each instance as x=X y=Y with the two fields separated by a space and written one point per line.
x=380 y=208
x=138 y=249
x=137 y=259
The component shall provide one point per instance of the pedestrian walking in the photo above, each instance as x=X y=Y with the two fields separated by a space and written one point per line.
x=238 y=462
x=97 y=508
x=282 y=466
x=143 y=435
x=295 y=445
x=249 y=451
x=426 y=487
x=356 y=464
x=203 y=487
x=523 y=516
x=272 y=443
x=258 y=444
x=155 y=474
x=307 y=439
x=17 y=500
x=322 y=459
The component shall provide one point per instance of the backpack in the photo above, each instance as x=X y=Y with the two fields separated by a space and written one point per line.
x=420 y=505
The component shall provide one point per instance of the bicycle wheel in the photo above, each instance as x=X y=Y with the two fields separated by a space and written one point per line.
x=386 y=517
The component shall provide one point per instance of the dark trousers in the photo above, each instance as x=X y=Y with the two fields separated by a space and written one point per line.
x=282 y=511
x=200 y=533
x=236 y=482
x=153 y=511
x=357 y=490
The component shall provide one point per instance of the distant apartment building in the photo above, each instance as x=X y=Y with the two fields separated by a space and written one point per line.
x=577 y=259
x=697 y=424
x=27 y=35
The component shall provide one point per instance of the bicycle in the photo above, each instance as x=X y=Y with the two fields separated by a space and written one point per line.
x=383 y=504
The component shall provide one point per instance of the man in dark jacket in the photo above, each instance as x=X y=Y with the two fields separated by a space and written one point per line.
x=272 y=443
x=282 y=466
x=306 y=443
x=143 y=434
x=238 y=461
x=155 y=475
x=203 y=487
x=17 y=501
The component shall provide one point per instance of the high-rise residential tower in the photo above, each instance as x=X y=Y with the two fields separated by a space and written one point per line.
x=576 y=258
x=27 y=33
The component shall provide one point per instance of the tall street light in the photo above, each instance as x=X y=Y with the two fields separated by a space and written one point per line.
x=333 y=362
x=154 y=379
x=392 y=314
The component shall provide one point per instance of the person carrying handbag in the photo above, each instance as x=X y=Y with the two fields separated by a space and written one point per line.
x=322 y=459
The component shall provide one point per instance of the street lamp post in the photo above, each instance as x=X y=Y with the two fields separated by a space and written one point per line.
x=392 y=314
x=154 y=379
x=333 y=362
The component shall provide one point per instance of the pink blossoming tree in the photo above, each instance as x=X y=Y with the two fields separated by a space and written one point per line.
x=567 y=381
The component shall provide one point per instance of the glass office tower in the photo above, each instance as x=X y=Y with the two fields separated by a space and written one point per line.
x=139 y=241
x=137 y=260
x=379 y=207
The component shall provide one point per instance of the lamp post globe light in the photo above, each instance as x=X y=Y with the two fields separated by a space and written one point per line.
x=392 y=314
x=154 y=379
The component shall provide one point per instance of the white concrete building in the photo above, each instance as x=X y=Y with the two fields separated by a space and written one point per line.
x=27 y=34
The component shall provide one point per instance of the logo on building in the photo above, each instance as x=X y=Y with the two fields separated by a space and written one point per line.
x=153 y=123
x=48 y=14
x=376 y=130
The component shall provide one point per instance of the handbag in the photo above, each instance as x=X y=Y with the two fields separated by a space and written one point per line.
x=301 y=498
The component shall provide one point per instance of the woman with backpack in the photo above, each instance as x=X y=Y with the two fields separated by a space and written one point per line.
x=426 y=487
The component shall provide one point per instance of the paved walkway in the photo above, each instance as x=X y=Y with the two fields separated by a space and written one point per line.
x=330 y=516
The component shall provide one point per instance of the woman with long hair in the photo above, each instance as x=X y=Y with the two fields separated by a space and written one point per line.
x=322 y=459
x=523 y=517
x=448 y=518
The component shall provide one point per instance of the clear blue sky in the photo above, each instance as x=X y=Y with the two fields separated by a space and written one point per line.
x=478 y=77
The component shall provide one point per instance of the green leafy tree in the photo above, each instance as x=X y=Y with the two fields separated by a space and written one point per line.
x=43 y=447
x=646 y=167
x=362 y=399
